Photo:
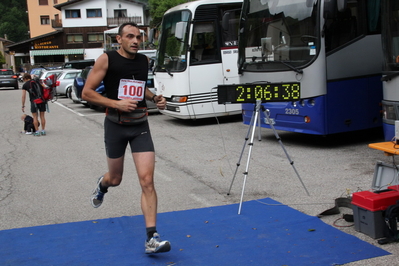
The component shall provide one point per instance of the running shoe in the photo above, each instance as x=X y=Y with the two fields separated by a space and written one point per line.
x=155 y=245
x=43 y=133
x=98 y=196
x=37 y=133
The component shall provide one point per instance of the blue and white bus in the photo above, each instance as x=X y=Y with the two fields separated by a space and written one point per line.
x=197 y=51
x=317 y=64
x=390 y=80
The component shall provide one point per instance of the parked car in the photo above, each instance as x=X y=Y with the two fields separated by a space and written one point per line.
x=78 y=64
x=8 y=78
x=47 y=73
x=79 y=83
x=65 y=81
x=36 y=72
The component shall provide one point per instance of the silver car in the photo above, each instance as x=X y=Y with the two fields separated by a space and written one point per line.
x=48 y=73
x=65 y=81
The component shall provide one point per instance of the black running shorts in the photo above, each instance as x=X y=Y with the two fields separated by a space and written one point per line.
x=116 y=138
x=34 y=107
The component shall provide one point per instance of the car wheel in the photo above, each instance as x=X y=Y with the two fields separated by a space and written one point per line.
x=16 y=88
x=68 y=92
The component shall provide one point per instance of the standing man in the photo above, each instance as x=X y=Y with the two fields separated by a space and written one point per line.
x=34 y=107
x=125 y=74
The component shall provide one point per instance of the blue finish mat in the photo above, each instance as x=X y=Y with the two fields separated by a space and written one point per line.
x=262 y=235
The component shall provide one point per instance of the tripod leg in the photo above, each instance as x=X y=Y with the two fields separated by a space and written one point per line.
x=259 y=125
x=266 y=112
x=251 y=144
x=242 y=151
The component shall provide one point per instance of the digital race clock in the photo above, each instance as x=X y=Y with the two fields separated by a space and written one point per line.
x=267 y=92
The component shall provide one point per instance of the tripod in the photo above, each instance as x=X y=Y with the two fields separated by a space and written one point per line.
x=252 y=126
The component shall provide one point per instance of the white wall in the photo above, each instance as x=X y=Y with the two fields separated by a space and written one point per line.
x=107 y=8
x=93 y=53
x=133 y=10
x=83 y=21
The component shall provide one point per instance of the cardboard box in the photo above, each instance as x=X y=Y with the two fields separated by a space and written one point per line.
x=369 y=210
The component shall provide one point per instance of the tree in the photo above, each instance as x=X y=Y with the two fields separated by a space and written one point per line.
x=159 y=7
x=14 y=20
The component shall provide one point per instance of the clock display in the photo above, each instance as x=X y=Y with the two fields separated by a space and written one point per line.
x=267 y=92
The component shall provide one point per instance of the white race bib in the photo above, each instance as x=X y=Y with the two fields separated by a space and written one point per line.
x=131 y=89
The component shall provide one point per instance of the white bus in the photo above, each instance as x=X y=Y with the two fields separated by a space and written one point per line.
x=315 y=64
x=197 y=51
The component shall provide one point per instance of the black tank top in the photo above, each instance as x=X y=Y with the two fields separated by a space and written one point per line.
x=120 y=67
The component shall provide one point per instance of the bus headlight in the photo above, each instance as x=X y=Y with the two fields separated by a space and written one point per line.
x=179 y=99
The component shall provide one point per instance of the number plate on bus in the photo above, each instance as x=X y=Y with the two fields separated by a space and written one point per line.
x=267 y=92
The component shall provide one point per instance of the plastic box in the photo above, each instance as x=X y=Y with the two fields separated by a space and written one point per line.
x=369 y=210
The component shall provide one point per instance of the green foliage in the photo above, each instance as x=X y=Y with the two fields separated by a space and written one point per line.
x=159 y=7
x=14 y=20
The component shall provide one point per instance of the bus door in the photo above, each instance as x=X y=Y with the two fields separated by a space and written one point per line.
x=229 y=51
x=205 y=68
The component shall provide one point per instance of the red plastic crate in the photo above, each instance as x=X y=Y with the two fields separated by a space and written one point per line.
x=373 y=201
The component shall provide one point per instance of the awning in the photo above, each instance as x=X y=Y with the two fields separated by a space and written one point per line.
x=56 y=52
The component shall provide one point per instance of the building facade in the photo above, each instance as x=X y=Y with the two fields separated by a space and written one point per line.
x=43 y=16
x=79 y=32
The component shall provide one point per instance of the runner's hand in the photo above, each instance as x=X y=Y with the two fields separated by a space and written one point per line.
x=126 y=105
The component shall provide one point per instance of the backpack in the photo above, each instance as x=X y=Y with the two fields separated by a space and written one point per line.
x=36 y=91
x=49 y=90
x=391 y=232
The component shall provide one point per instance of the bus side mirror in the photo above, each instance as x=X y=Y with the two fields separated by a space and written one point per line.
x=151 y=35
x=180 y=30
x=225 y=21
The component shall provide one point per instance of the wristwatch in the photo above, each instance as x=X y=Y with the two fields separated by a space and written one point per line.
x=153 y=98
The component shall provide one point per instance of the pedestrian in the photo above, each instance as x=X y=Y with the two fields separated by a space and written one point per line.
x=125 y=72
x=34 y=107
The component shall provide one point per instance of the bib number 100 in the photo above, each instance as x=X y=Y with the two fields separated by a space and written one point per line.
x=133 y=91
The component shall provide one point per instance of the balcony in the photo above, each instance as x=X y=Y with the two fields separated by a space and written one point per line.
x=56 y=23
x=115 y=22
x=111 y=22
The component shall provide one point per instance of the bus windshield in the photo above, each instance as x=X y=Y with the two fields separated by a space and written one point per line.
x=391 y=35
x=278 y=35
x=173 y=42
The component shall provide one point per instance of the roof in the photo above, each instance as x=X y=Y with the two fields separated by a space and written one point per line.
x=6 y=41
x=35 y=38
x=70 y=2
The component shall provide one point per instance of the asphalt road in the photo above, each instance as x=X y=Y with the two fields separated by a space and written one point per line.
x=49 y=180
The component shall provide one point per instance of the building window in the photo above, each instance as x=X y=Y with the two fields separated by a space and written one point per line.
x=74 y=38
x=94 y=13
x=45 y=20
x=43 y=3
x=95 y=37
x=120 y=13
x=55 y=2
x=72 y=13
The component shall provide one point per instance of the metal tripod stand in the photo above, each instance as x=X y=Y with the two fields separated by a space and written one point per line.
x=251 y=130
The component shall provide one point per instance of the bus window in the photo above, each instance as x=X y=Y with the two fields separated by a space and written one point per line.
x=204 y=43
